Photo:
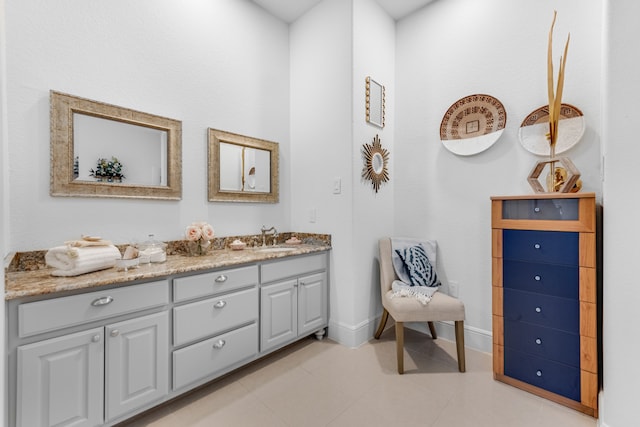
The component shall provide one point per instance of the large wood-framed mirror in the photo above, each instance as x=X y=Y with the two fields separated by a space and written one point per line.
x=242 y=168
x=103 y=150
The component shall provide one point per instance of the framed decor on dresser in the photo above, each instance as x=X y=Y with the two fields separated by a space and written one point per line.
x=546 y=296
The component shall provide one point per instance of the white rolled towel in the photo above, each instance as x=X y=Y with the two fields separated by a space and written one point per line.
x=73 y=261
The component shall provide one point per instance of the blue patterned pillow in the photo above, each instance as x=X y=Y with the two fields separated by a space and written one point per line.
x=417 y=264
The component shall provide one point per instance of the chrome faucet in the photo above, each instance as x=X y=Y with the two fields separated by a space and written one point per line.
x=266 y=230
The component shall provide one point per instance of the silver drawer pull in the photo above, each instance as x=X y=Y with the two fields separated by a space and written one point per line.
x=220 y=304
x=537 y=278
x=538 y=310
x=96 y=338
x=539 y=373
x=114 y=333
x=538 y=341
x=536 y=209
x=102 y=301
x=537 y=246
x=221 y=278
x=219 y=344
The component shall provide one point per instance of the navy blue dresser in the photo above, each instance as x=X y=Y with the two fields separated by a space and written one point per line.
x=545 y=303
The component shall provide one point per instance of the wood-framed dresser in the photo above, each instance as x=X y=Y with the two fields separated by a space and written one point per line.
x=545 y=296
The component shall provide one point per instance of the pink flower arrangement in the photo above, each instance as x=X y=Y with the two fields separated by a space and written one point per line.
x=199 y=236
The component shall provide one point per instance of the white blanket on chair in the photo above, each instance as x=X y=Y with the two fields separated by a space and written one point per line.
x=421 y=293
x=73 y=261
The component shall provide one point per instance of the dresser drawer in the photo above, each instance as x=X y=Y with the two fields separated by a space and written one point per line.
x=543 y=310
x=546 y=343
x=58 y=313
x=541 y=209
x=292 y=267
x=209 y=357
x=185 y=288
x=553 y=247
x=559 y=280
x=205 y=318
x=552 y=376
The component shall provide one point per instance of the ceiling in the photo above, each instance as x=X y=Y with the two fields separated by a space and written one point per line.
x=290 y=10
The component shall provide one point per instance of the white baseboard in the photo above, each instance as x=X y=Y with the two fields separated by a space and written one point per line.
x=355 y=336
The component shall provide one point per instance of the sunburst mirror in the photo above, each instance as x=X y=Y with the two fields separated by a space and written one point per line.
x=376 y=159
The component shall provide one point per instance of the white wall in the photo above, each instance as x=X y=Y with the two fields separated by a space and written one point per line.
x=321 y=94
x=454 y=48
x=334 y=47
x=373 y=213
x=221 y=64
x=621 y=203
x=4 y=197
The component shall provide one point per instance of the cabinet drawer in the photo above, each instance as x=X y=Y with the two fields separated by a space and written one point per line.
x=554 y=377
x=553 y=247
x=292 y=267
x=213 y=356
x=546 y=343
x=58 y=313
x=543 y=310
x=185 y=288
x=559 y=280
x=541 y=209
x=214 y=315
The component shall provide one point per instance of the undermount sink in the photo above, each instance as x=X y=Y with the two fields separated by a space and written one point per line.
x=275 y=249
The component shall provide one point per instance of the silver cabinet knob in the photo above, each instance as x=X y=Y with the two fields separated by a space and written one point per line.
x=102 y=301
x=537 y=246
x=95 y=338
x=221 y=278
x=539 y=373
x=538 y=309
x=220 y=304
x=114 y=333
x=537 y=278
x=536 y=209
x=538 y=341
x=219 y=344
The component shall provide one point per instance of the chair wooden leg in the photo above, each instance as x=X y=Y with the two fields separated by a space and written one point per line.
x=432 y=329
x=460 y=345
x=383 y=322
x=400 y=346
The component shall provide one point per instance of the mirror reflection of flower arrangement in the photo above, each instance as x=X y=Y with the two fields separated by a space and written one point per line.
x=108 y=170
x=199 y=236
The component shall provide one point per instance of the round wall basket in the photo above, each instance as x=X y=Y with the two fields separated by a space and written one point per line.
x=535 y=127
x=472 y=124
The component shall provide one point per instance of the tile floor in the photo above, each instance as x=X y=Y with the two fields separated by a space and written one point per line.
x=321 y=383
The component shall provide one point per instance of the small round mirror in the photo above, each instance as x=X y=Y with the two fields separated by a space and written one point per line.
x=377 y=162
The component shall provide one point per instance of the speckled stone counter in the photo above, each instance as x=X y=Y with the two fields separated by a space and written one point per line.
x=37 y=280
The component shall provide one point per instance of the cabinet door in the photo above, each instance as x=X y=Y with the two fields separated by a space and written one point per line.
x=61 y=381
x=137 y=368
x=312 y=303
x=279 y=308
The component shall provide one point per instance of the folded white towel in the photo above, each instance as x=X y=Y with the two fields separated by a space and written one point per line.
x=73 y=261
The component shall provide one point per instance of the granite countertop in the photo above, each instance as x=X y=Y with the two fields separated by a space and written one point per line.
x=23 y=283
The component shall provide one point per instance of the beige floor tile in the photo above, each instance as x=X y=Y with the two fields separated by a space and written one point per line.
x=321 y=383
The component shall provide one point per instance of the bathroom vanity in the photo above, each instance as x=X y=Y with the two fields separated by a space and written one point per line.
x=99 y=348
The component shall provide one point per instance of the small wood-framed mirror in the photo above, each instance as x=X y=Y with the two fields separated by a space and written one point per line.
x=242 y=168
x=374 y=102
x=103 y=150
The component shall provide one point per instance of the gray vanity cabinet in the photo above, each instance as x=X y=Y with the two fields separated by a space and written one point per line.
x=62 y=380
x=87 y=359
x=291 y=307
